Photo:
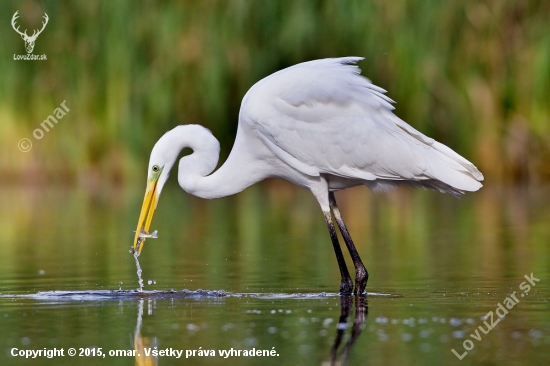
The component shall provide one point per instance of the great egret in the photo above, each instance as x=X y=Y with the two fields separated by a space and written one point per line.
x=322 y=126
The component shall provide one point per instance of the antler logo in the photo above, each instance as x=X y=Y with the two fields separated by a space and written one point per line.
x=29 y=41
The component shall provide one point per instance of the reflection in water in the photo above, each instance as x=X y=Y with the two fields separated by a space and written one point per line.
x=338 y=353
x=140 y=343
x=62 y=250
x=339 y=357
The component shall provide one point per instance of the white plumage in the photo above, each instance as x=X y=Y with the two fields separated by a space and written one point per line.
x=322 y=117
x=322 y=126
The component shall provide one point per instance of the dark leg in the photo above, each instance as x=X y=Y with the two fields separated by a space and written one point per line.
x=346 y=286
x=361 y=274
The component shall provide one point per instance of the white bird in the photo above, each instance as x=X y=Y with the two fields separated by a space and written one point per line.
x=322 y=126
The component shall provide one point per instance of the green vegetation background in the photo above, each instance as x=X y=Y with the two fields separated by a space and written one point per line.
x=473 y=74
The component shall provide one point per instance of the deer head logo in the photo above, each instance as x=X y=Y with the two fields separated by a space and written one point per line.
x=29 y=41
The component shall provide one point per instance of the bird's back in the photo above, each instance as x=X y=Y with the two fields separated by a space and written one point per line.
x=323 y=117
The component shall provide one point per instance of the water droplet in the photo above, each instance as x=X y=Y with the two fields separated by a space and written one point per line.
x=455 y=322
x=535 y=333
x=342 y=326
x=250 y=342
x=424 y=333
x=382 y=337
x=458 y=334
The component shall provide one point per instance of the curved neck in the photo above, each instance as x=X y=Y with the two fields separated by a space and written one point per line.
x=194 y=174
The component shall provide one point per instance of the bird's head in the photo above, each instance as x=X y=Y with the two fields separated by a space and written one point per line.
x=206 y=150
x=161 y=161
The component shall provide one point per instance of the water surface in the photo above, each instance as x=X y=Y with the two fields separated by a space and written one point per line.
x=264 y=262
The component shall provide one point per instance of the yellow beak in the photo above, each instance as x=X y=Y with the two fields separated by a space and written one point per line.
x=147 y=211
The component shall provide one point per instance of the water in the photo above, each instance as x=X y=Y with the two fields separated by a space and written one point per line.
x=139 y=271
x=264 y=260
x=135 y=252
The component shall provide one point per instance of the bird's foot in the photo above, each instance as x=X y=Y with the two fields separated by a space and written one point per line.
x=346 y=287
x=361 y=278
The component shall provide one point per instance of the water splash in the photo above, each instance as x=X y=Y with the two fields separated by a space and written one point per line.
x=100 y=295
x=140 y=280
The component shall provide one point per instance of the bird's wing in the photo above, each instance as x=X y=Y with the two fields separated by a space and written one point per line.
x=322 y=117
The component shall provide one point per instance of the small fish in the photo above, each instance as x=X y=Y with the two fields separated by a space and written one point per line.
x=141 y=238
x=145 y=235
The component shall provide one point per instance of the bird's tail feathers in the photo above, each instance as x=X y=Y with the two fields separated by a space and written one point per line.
x=451 y=173
x=470 y=168
x=449 y=167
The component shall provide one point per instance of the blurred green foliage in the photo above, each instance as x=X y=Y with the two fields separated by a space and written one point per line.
x=472 y=74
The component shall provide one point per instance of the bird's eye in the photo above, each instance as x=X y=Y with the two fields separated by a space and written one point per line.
x=156 y=168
